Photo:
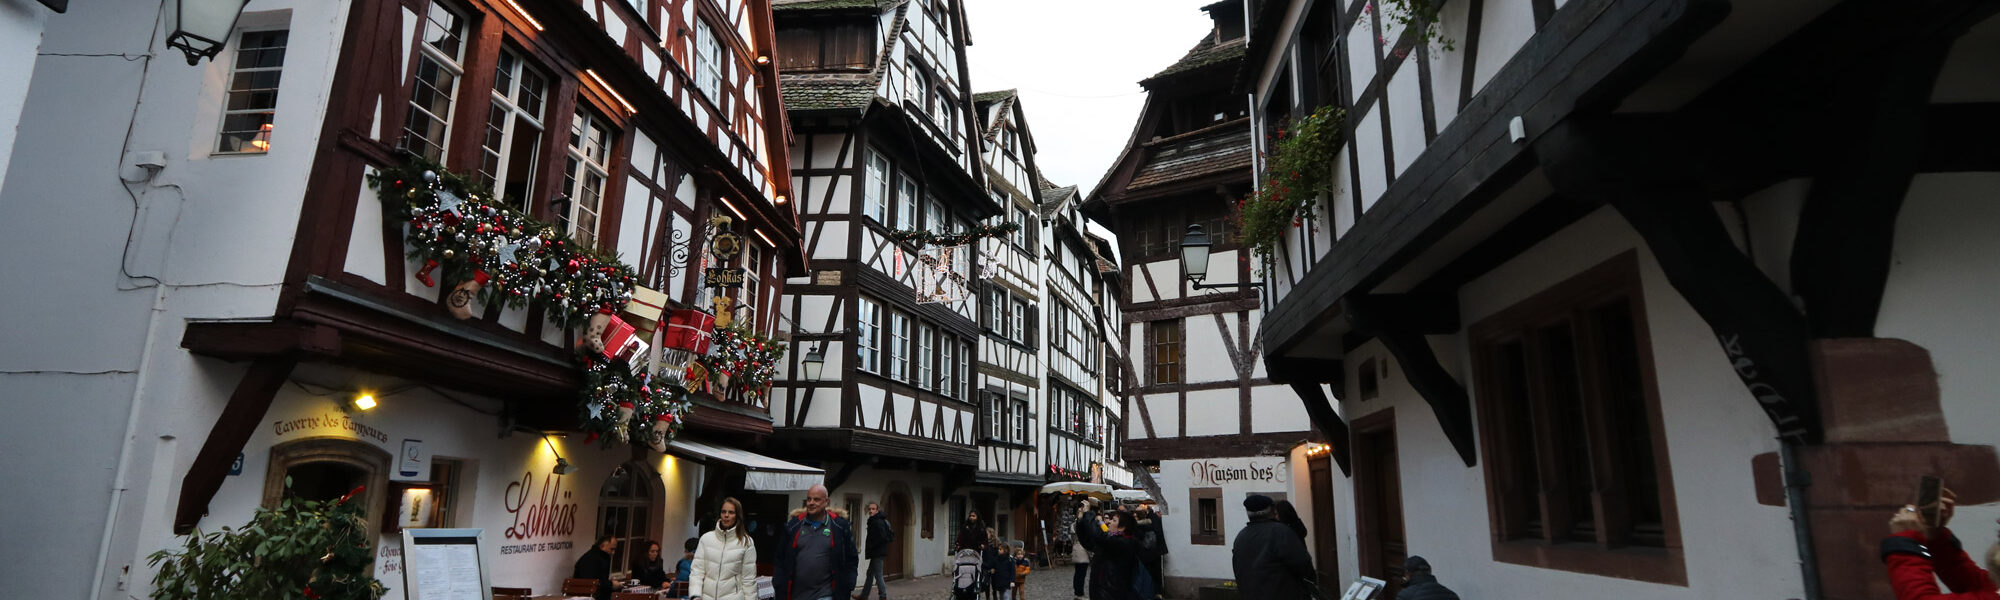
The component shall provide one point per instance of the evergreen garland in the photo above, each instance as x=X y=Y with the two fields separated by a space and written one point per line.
x=749 y=361
x=978 y=232
x=622 y=406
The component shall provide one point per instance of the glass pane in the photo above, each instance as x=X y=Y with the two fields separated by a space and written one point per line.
x=1625 y=411
x=1561 y=382
x=445 y=30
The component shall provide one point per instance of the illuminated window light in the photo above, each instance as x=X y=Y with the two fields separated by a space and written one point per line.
x=761 y=236
x=607 y=89
x=525 y=15
x=263 y=140
x=732 y=208
x=364 y=401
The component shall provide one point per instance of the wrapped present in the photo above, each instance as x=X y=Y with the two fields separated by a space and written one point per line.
x=690 y=330
x=613 y=338
x=645 y=310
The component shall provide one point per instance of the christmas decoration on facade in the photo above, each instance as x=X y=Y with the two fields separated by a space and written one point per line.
x=941 y=273
x=976 y=233
x=740 y=359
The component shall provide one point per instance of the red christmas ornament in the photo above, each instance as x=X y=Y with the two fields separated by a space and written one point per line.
x=572 y=266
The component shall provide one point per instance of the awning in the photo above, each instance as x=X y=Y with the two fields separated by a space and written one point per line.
x=1094 y=490
x=1131 y=496
x=765 y=474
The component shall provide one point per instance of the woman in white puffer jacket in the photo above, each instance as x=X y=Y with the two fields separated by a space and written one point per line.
x=725 y=563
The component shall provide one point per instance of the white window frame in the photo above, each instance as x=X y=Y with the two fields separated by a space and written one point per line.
x=996 y=415
x=236 y=70
x=926 y=356
x=935 y=217
x=451 y=64
x=583 y=164
x=875 y=196
x=868 y=335
x=510 y=102
x=708 y=53
x=1017 y=320
x=746 y=301
x=906 y=201
x=947 y=365
x=899 y=346
x=1021 y=419
x=965 y=370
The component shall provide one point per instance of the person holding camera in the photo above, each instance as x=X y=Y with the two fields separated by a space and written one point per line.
x=1919 y=555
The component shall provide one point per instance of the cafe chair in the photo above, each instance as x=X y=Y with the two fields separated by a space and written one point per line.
x=512 y=593
x=579 y=587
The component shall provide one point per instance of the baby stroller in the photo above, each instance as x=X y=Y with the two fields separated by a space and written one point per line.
x=968 y=574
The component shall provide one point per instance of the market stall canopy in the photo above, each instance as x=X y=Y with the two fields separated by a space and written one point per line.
x=765 y=474
x=1131 y=496
x=1094 y=490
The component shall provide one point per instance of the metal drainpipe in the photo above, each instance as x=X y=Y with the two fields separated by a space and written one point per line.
x=1796 y=480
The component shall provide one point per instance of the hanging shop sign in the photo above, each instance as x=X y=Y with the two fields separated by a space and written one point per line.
x=1207 y=473
x=941 y=273
x=724 y=277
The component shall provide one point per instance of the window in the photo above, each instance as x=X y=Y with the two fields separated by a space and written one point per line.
x=252 y=99
x=590 y=140
x=440 y=63
x=996 y=419
x=1206 y=526
x=1017 y=321
x=875 y=197
x=753 y=263
x=906 y=203
x=917 y=85
x=899 y=346
x=623 y=507
x=1021 y=420
x=964 y=371
x=514 y=130
x=708 y=56
x=1058 y=324
x=868 y=342
x=947 y=367
x=926 y=354
x=1023 y=237
x=1575 y=462
x=992 y=312
x=1165 y=339
x=934 y=215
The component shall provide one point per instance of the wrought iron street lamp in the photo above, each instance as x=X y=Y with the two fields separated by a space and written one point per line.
x=814 y=361
x=1194 y=261
x=200 y=28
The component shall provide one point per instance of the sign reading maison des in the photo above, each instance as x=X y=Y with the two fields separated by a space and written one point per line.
x=1212 y=473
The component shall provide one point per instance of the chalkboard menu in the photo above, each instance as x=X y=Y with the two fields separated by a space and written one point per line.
x=443 y=564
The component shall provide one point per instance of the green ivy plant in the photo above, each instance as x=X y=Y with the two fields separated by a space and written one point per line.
x=300 y=550
x=1297 y=169
x=1416 y=13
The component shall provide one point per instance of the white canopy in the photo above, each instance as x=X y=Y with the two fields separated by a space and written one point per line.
x=1131 y=496
x=1095 y=490
x=765 y=474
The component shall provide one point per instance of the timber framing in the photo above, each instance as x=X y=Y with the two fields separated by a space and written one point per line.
x=1217 y=446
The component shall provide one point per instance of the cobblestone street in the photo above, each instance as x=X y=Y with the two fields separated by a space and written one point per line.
x=1044 y=584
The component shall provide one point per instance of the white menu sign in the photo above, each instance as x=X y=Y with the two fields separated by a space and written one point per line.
x=443 y=564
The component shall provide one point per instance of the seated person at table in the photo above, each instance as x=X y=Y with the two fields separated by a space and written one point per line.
x=686 y=564
x=596 y=564
x=650 y=570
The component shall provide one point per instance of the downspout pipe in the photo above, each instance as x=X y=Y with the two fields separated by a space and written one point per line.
x=1796 y=481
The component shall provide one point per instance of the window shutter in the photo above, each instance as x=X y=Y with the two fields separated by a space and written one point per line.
x=1034 y=327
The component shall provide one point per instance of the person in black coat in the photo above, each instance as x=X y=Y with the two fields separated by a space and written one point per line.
x=874 y=549
x=973 y=533
x=1289 y=515
x=1153 y=541
x=652 y=569
x=596 y=564
x=1114 y=555
x=1270 y=561
x=1419 y=584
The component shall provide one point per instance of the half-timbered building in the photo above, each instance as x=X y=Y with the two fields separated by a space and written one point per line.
x=1198 y=404
x=1077 y=422
x=1599 y=291
x=886 y=144
x=218 y=305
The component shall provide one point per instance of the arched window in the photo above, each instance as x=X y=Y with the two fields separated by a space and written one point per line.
x=625 y=508
x=326 y=469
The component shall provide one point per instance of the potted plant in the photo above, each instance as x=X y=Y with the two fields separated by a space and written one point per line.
x=300 y=550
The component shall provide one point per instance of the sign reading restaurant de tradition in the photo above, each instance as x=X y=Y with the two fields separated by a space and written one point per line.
x=1208 y=473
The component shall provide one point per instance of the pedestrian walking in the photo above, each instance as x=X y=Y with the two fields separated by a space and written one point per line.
x=1919 y=556
x=724 y=566
x=973 y=533
x=1020 y=575
x=1114 y=558
x=1270 y=561
x=1079 y=558
x=1289 y=516
x=816 y=557
x=999 y=571
x=876 y=547
x=1419 y=584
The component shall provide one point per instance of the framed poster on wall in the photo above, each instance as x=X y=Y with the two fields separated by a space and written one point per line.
x=444 y=564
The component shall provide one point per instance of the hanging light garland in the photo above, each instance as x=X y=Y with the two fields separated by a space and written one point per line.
x=978 y=232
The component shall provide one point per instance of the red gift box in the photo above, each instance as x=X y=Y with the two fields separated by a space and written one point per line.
x=690 y=330
x=617 y=339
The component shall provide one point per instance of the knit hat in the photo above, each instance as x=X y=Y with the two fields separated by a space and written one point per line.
x=1257 y=503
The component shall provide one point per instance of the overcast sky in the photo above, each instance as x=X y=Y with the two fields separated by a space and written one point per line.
x=1078 y=64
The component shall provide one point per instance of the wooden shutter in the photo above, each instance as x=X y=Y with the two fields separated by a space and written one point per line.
x=1034 y=326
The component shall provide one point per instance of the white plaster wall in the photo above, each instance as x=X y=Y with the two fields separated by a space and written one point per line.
x=1373 y=166
x=1213 y=412
x=1940 y=294
x=1277 y=408
x=20 y=36
x=1205 y=358
x=1504 y=27
x=1165 y=412
x=1186 y=559
x=1406 y=115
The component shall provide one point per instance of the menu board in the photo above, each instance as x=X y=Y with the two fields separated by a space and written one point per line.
x=443 y=564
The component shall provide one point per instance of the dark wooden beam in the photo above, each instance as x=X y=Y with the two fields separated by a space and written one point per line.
x=1536 y=224
x=239 y=341
x=1432 y=314
x=1306 y=376
x=1638 y=165
x=246 y=409
x=1402 y=327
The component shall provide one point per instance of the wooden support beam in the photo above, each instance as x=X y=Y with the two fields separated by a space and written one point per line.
x=1401 y=326
x=238 y=341
x=1299 y=373
x=246 y=409
x=1636 y=164
x=833 y=482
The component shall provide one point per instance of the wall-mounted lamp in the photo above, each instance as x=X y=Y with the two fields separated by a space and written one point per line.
x=763 y=60
x=200 y=28
x=1194 y=260
x=780 y=199
x=363 y=401
x=814 y=362
x=562 y=464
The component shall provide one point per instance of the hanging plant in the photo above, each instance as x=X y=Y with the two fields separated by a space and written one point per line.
x=299 y=550
x=742 y=359
x=978 y=232
x=1413 y=13
x=1296 y=171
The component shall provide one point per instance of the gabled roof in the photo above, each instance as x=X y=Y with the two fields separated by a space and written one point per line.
x=1216 y=149
x=1055 y=199
x=1208 y=53
x=818 y=91
x=993 y=96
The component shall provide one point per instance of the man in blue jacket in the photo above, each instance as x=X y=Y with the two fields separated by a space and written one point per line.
x=816 y=556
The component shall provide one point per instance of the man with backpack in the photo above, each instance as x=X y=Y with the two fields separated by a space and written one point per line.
x=874 y=550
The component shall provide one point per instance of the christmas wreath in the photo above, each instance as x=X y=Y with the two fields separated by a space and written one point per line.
x=742 y=358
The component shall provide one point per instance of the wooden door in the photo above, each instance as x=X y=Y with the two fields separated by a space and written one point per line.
x=898 y=505
x=1326 y=542
x=1378 y=500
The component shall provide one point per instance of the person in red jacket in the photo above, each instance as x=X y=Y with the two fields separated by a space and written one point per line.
x=1919 y=556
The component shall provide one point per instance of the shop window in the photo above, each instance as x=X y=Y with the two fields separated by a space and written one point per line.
x=1206 y=526
x=252 y=100
x=625 y=506
x=425 y=503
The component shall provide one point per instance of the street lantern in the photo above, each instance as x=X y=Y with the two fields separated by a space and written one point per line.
x=814 y=361
x=1194 y=261
x=200 y=28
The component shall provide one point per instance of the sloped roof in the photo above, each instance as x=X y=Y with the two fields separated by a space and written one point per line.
x=1202 y=152
x=993 y=96
x=1054 y=199
x=804 y=5
x=1207 y=53
x=813 y=91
